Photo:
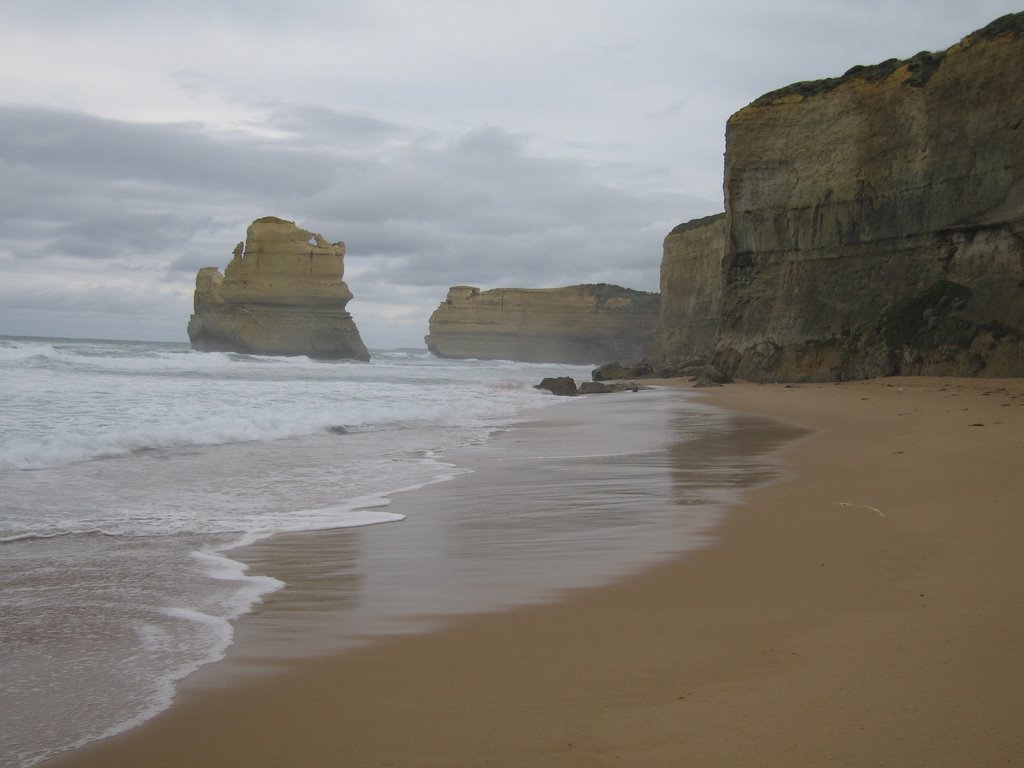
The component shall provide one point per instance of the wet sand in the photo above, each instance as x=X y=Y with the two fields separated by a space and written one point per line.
x=864 y=611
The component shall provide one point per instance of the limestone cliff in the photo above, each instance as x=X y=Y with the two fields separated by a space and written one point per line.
x=576 y=324
x=874 y=225
x=691 y=292
x=281 y=294
x=875 y=222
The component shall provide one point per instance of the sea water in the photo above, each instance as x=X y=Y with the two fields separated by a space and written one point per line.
x=130 y=472
x=161 y=509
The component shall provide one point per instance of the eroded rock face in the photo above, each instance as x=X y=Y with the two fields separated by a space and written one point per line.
x=875 y=222
x=577 y=324
x=691 y=292
x=281 y=294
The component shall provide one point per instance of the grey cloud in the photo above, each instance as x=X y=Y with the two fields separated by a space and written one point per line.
x=339 y=130
x=193 y=259
x=131 y=295
x=501 y=216
x=367 y=135
x=96 y=311
x=417 y=213
x=158 y=156
x=112 y=234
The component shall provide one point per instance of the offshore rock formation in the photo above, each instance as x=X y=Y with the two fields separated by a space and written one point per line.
x=282 y=294
x=874 y=224
x=576 y=324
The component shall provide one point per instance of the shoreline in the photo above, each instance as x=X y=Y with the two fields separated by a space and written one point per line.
x=863 y=610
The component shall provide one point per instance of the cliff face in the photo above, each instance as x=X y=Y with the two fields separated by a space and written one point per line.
x=578 y=324
x=281 y=294
x=875 y=222
x=691 y=292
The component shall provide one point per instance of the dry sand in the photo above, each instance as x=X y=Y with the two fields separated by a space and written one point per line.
x=864 y=612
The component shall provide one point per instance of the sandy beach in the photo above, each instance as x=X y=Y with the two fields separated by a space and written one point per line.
x=864 y=611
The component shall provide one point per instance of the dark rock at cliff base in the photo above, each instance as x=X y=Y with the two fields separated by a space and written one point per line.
x=559 y=385
x=615 y=371
x=709 y=376
x=685 y=369
x=600 y=387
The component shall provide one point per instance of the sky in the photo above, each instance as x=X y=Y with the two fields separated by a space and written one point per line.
x=453 y=142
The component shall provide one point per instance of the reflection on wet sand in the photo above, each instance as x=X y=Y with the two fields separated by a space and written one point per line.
x=618 y=485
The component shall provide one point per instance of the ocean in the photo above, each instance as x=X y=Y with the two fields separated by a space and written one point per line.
x=149 y=491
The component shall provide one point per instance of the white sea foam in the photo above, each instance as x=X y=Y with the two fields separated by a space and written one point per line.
x=140 y=398
x=132 y=470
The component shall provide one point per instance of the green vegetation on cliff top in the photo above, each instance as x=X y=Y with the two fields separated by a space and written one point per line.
x=921 y=66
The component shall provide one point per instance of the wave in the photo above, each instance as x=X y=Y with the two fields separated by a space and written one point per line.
x=61 y=447
x=44 y=536
x=114 y=429
x=356 y=513
x=69 y=402
x=55 y=451
x=136 y=358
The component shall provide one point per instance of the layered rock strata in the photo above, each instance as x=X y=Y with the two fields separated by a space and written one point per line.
x=876 y=221
x=576 y=324
x=874 y=225
x=281 y=294
x=691 y=292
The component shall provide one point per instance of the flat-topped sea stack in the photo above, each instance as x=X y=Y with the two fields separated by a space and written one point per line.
x=578 y=324
x=281 y=294
x=874 y=225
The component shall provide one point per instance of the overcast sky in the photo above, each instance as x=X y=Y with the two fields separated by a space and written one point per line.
x=530 y=144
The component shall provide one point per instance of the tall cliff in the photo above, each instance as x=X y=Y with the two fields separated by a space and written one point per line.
x=281 y=294
x=691 y=292
x=875 y=222
x=576 y=324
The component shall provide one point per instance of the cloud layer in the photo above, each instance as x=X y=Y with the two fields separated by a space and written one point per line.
x=446 y=143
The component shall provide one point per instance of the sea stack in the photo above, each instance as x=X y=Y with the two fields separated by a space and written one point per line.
x=281 y=294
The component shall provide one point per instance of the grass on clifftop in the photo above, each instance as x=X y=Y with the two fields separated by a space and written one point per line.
x=921 y=66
